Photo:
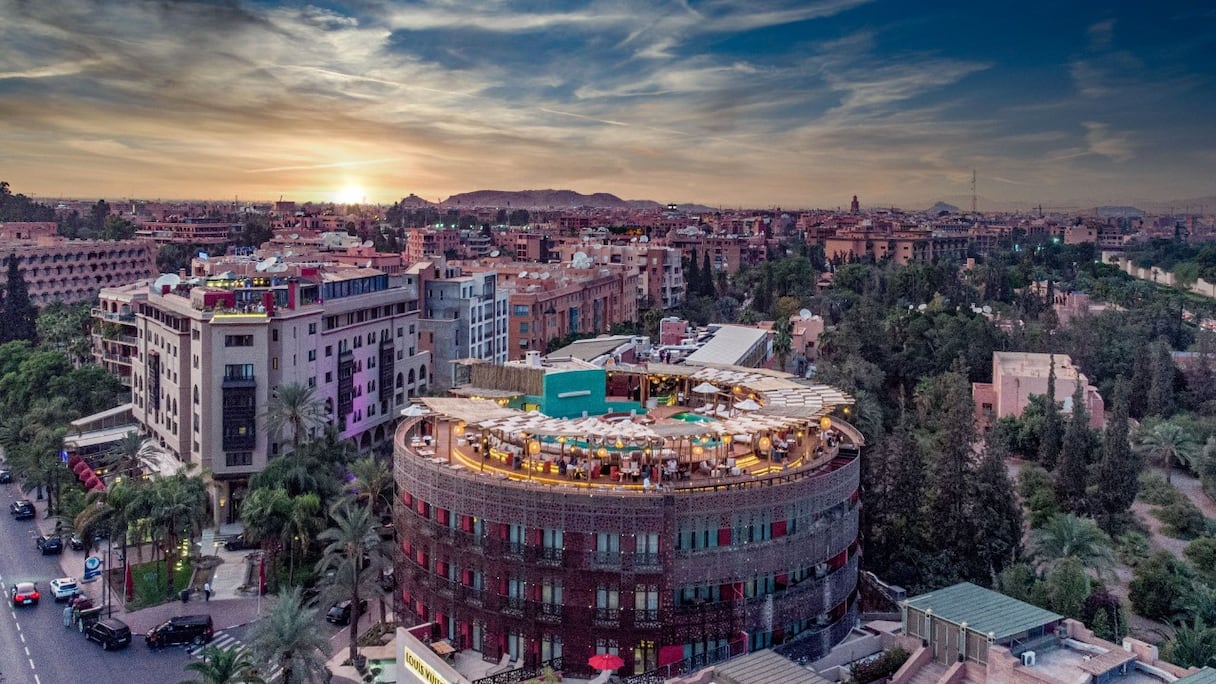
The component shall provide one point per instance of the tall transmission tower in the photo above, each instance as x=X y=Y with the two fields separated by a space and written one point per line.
x=972 y=191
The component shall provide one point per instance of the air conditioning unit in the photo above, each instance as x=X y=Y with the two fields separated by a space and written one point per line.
x=821 y=570
x=822 y=619
x=1028 y=658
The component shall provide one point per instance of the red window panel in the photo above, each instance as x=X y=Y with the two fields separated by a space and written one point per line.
x=779 y=528
x=466 y=523
x=723 y=536
x=441 y=515
x=408 y=499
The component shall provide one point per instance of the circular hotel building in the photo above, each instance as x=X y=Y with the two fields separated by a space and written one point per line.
x=669 y=515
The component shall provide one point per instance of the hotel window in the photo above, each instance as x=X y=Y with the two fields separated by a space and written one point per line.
x=238 y=340
x=646 y=602
x=238 y=458
x=312 y=328
x=550 y=647
x=551 y=596
x=607 y=646
x=312 y=354
x=607 y=602
x=274 y=335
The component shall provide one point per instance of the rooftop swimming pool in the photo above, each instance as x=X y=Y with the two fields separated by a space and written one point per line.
x=690 y=417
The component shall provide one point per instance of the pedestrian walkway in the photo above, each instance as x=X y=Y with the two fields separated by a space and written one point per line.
x=226 y=642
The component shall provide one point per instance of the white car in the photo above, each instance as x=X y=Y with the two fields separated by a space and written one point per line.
x=64 y=588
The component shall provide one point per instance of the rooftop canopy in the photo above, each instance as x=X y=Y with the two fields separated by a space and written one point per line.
x=983 y=610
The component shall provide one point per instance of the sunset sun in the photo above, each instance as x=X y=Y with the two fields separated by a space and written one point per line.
x=350 y=194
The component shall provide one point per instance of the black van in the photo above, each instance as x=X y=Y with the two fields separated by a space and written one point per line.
x=186 y=629
x=111 y=633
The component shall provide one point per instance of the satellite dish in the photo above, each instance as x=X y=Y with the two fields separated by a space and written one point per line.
x=922 y=307
x=644 y=238
x=277 y=268
x=523 y=274
x=579 y=256
x=368 y=243
x=805 y=314
x=494 y=253
x=265 y=264
x=289 y=253
x=544 y=275
x=295 y=236
x=169 y=280
x=986 y=309
x=368 y=264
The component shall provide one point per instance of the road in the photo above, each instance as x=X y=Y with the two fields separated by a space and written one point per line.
x=34 y=645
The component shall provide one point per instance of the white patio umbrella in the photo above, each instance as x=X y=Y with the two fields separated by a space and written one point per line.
x=706 y=388
x=747 y=405
x=415 y=410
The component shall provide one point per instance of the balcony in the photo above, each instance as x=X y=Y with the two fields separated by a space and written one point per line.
x=606 y=559
x=550 y=613
x=606 y=617
x=646 y=618
x=647 y=562
x=514 y=606
x=551 y=557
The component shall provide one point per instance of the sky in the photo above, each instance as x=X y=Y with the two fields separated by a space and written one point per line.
x=732 y=103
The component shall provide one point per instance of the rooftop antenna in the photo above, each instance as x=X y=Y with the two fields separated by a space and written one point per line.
x=972 y=191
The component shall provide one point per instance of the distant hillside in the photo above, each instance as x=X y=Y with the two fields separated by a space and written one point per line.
x=943 y=207
x=544 y=199
x=415 y=202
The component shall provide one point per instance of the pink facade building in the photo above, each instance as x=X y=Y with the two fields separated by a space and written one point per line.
x=1017 y=376
x=58 y=269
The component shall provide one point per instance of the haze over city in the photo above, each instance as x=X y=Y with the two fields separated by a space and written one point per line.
x=724 y=103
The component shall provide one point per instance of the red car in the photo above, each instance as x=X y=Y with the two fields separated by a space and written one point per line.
x=24 y=594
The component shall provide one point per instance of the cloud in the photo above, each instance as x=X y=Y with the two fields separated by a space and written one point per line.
x=1103 y=141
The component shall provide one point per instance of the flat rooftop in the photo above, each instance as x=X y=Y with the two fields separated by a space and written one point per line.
x=1032 y=365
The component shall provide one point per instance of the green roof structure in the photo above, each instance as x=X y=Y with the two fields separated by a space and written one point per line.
x=985 y=611
x=1205 y=676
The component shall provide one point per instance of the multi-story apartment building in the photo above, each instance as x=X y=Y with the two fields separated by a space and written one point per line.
x=192 y=230
x=210 y=355
x=464 y=316
x=550 y=301
x=58 y=269
x=900 y=246
x=661 y=270
x=726 y=252
x=422 y=243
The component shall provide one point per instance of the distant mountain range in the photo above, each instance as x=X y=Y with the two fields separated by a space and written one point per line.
x=543 y=199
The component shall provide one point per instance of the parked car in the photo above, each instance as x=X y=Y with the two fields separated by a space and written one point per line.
x=239 y=543
x=24 y=594
x=76 y=542
x=185 y=629
x=64 y=588
x=6 y=475
x=111 y=633
x=339 y=613
x=49 y=545
x=388 y=579
x=22 y=510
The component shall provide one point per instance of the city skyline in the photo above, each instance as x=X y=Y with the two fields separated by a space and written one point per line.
x=720 y=103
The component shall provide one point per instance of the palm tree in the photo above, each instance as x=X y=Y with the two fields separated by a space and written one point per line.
x=177 y=505
x=220 y=666
x=1166 y=444
x=133 y=455
x=290 y=636
x=783 y=343
x=1193 y=645
x=304 y=521
x=295 y=407
x=1067 y=536
x=373 y=483
x=355 y=554
x=266 y=515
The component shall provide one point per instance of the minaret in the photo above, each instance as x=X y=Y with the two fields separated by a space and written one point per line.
x=854 y=207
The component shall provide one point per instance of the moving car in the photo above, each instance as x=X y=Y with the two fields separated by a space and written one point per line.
x=22 y=510
x=111 y=633
x=50 y=545
x=76 y=542
x=339 y=613
x=6 y=475
x=24 y=594
x=185 y=629
x=64 y=588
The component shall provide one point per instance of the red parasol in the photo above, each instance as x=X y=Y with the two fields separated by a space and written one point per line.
x=606 y=661
x=92 y=482
x=79 y=468
x=130 y=584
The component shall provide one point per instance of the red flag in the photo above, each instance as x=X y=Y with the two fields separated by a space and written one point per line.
x=262 y=575
x=130 y=585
